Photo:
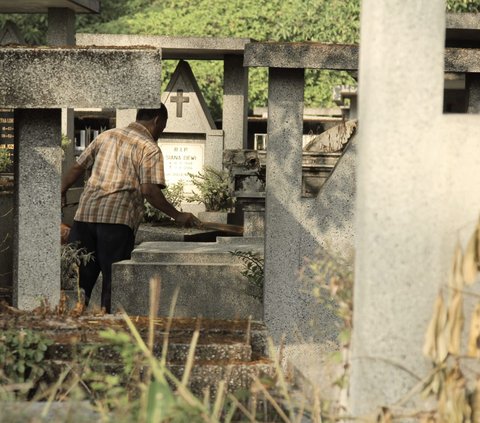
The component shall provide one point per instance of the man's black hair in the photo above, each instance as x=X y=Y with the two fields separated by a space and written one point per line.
x=149 y=114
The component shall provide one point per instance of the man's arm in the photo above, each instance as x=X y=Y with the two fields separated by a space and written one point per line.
x=73 y=174
x=154 y=195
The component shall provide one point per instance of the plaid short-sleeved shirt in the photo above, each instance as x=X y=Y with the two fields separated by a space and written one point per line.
x=121 y=160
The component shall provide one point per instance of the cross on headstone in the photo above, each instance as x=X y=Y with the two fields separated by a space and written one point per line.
x=179 y=99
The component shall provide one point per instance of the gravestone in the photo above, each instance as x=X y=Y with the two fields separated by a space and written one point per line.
x=190 y=141
x=10 y=34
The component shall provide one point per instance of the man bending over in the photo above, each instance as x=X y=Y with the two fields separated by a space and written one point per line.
x=126 y=167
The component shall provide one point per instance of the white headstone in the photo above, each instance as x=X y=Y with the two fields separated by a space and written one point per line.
x=190 y=141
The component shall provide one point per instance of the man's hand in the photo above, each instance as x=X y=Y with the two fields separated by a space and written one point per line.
x=188 y=220
x=154 y=195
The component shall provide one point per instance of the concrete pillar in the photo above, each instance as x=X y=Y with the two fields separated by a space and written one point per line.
x=282 y=232
x=473 y=90
x=61 y=32
x=36 y=271
x=125 y=117
x=403 y=229
x=214 y=149
x=235 y=102
x=61 y=27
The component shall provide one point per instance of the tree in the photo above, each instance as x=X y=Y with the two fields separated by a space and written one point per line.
x=329 y=21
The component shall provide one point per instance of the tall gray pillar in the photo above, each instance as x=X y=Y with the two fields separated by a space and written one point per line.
x=473 y=90
x=36 y=272
x=404 y=202
x=61 y=27
x=61 y=32
x=282 y=232
x=235 y=102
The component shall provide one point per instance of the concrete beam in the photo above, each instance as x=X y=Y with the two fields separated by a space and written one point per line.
x=302 y=55
x=338 y=56
x=80 y=77
x=187 y=48
x=462 y=60
x=42 y=6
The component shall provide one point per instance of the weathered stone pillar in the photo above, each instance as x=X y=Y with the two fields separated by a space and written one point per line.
x=235 y=102
x=473 y=89
x=61 y=32
x=36 y=272
x=403 y=231
x=214 y=149
x=61 y=27
x=283 y=238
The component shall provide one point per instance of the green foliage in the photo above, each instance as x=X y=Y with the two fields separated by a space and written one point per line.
x=126 y=347
x=212 y=189
x=334 y=21
x=71 y=259
x=159 y=400
x=175 y=196
x=330 y=21
x=33 y=27
x=5 y=159
x=65 y=144
x=463 y=6
x=21 y=356
x=253 y=271
x=329 y=279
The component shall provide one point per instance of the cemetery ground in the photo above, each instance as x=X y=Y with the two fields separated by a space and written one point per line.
x=72 y=366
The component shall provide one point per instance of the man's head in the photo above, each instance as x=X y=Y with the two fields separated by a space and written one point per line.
x=154 y=120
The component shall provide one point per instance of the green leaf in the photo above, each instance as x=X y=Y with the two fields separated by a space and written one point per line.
x=160 y=401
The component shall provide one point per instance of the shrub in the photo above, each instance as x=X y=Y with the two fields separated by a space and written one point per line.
x=21 y=358
x=212 y=189
x=72 y=258
x=253 y=270
x=175 y=196
x=5 y=159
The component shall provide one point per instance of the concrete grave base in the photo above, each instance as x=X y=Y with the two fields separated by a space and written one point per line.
x=207 y=275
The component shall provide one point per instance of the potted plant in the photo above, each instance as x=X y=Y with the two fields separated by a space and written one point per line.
x=212 y=189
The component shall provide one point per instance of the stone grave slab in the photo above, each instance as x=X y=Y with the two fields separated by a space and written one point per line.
x=201 y=272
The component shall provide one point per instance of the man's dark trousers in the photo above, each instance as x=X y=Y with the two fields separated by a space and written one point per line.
x=109 y=243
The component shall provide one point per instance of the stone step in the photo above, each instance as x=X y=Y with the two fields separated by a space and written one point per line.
x=194 y=252
x=67 y=330
x=229 y=350
x=214 y=291
x=237 y=375
x=176 y=353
